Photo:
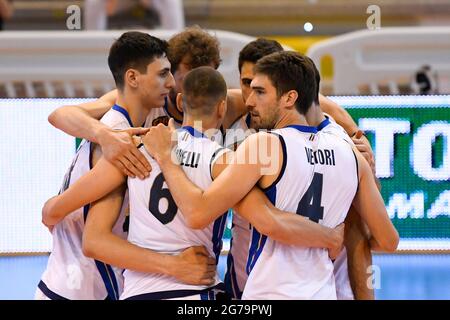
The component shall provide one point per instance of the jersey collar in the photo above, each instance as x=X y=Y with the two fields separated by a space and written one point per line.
x=124 y=112
x=193 y=132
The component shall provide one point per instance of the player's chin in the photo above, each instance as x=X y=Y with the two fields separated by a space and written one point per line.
x=255 y=123
x=162 y=100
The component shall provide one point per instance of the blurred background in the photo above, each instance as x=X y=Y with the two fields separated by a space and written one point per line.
x=387 y=62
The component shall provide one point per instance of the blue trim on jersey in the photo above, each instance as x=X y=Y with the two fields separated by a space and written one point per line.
x=307 y=129
x=258 y=239
x=124 y=112
x=166 y=109
x=106 y=272
x=248 y=119
x=323 y=124
x=86 y=211
x=193 y=132
x=230 y=280
x=204 y=296
x=109 y=279
x=256 y=247
x=218 y=229
x=49 y=293
x=283 y=165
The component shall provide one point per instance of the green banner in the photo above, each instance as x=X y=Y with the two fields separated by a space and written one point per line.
x=410 y=137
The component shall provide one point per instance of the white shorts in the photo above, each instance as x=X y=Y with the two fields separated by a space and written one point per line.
x=39 y=295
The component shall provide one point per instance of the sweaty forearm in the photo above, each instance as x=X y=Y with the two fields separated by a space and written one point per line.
x=285 y=227
x=199 y=208
x=359 y=256
x=116 y=251
x=299 y=231
x=78 y=123
x=186 y=194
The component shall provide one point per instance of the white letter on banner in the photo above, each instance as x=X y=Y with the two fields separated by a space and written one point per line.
x=421 y=151
x=404 y=208
x=384 y=130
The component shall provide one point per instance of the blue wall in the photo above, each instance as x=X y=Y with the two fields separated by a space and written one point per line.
x=402 y=276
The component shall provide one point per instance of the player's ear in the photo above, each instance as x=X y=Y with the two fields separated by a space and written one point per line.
x=222 y=109
x=289 y=99
x=180 y=102
x=131 y=78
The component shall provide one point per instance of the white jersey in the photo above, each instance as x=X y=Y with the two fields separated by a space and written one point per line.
x=343 y=288
x=70 y=274
x=236 y=275
x=157 y=224
x=319 y=180
x=162 y=115
x=159 y=115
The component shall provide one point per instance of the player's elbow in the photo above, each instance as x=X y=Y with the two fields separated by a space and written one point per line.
x=195 y=217
x=89 y=246
x=49 y=214
x=268 y=229
x=196 y=222
x=393 y=242
x=389 y=243
x=54 y=117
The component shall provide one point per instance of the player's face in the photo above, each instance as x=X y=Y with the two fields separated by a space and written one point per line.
x=263 y=103
x=179 y=74
x=246 y=78
x=154 y=86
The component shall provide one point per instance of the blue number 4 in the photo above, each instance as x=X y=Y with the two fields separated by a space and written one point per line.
x=310 y=205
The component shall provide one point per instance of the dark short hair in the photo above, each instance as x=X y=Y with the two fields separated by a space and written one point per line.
x=203 y=89
x=316 y=100
x=288 y=70
x=134 y=50
x=257 y=49
x=197 y=46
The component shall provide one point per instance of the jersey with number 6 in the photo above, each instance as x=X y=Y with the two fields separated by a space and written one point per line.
x=318 y=180
x=157 y=224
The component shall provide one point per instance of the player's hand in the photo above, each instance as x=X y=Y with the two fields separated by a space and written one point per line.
x=160 y=140
x=363 y=146
x=194 y=266
x=336 y=249
x=119 y=148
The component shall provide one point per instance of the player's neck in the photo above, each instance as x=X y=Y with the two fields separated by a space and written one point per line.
x=199 y=124
x=134 y=108
x=290 y=118
x=314 y=116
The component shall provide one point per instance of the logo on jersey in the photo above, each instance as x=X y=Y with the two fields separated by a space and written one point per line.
x=163 y=119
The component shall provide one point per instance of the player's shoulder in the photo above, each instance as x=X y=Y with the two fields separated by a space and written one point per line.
x=115 y=120
x=337 y=131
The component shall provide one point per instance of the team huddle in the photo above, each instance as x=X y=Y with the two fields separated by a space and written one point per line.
x=143 y=207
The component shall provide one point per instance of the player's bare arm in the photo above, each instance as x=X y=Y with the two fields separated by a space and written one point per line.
x=370 y=205
x=359 y=256
x=193 y=201
x=95 y=184
x=195 y=206
x=339 y=114
x=286 y=227
x=192 y=266
x=117 y=145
